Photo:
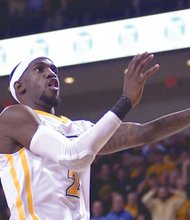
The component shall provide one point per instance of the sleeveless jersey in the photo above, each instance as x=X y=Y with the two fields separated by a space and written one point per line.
x=38 y=189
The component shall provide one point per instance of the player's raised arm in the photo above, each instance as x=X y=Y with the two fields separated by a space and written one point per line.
x=135 y=134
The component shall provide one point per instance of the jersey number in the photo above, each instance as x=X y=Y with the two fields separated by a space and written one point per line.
x=74 y=188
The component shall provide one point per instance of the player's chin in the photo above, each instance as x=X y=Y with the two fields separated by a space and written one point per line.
x=55 y=99
x=51 y=100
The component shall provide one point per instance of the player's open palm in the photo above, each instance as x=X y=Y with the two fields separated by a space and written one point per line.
x=136 y=75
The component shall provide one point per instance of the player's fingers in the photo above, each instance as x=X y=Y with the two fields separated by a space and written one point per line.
x=151 y=71
x=139 y=58
x=135 y=62
x=143 y=63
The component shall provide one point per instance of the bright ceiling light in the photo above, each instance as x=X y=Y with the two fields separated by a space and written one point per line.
x=188 y=62
x=69 y=80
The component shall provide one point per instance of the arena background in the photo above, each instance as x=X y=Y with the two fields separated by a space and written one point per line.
x=98 y=85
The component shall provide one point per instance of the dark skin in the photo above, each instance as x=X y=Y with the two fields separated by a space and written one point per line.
x=38 y=89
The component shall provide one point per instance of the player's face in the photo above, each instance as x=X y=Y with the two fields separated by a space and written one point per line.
x=42 y=83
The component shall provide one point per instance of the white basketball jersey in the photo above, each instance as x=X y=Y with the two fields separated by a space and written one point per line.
x=37 y=189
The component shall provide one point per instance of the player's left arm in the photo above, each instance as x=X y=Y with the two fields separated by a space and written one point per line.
x=134 y=134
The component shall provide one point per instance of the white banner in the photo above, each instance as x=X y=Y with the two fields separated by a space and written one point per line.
x=155 y=33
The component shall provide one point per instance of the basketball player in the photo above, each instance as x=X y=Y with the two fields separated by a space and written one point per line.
x=45 y=160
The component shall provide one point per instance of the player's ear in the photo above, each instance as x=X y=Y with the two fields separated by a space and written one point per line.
x=20 y=86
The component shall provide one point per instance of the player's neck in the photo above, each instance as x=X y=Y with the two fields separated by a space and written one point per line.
x=50 y=111
x=47 y=109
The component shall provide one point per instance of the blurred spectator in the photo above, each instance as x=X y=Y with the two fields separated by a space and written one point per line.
x=160 y=163
x=163 y=201
x=147 y=184
x=118 y=211
x=183 y=213
x=185 y=167
x=103 y=185
x=137 y=171
x=120 y=181
x=97 y=211
x=174 y=175
x=135 y=207
x=163 y=179
x=182 y=183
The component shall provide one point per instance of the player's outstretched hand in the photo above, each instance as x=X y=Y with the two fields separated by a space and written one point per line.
x=135 y=76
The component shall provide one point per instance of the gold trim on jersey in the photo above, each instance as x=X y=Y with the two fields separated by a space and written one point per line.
x=61 y=118
x=28 y=184
x=19 y=202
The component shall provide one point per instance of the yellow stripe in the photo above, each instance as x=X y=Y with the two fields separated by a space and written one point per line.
x=19 y=203
x=28 y=185
x=61 y=118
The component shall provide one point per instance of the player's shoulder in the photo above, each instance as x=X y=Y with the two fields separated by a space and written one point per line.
x=15 y=109
x=16 y=112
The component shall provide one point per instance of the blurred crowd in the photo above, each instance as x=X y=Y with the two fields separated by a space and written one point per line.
x=23 y=17
x=150 y=182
